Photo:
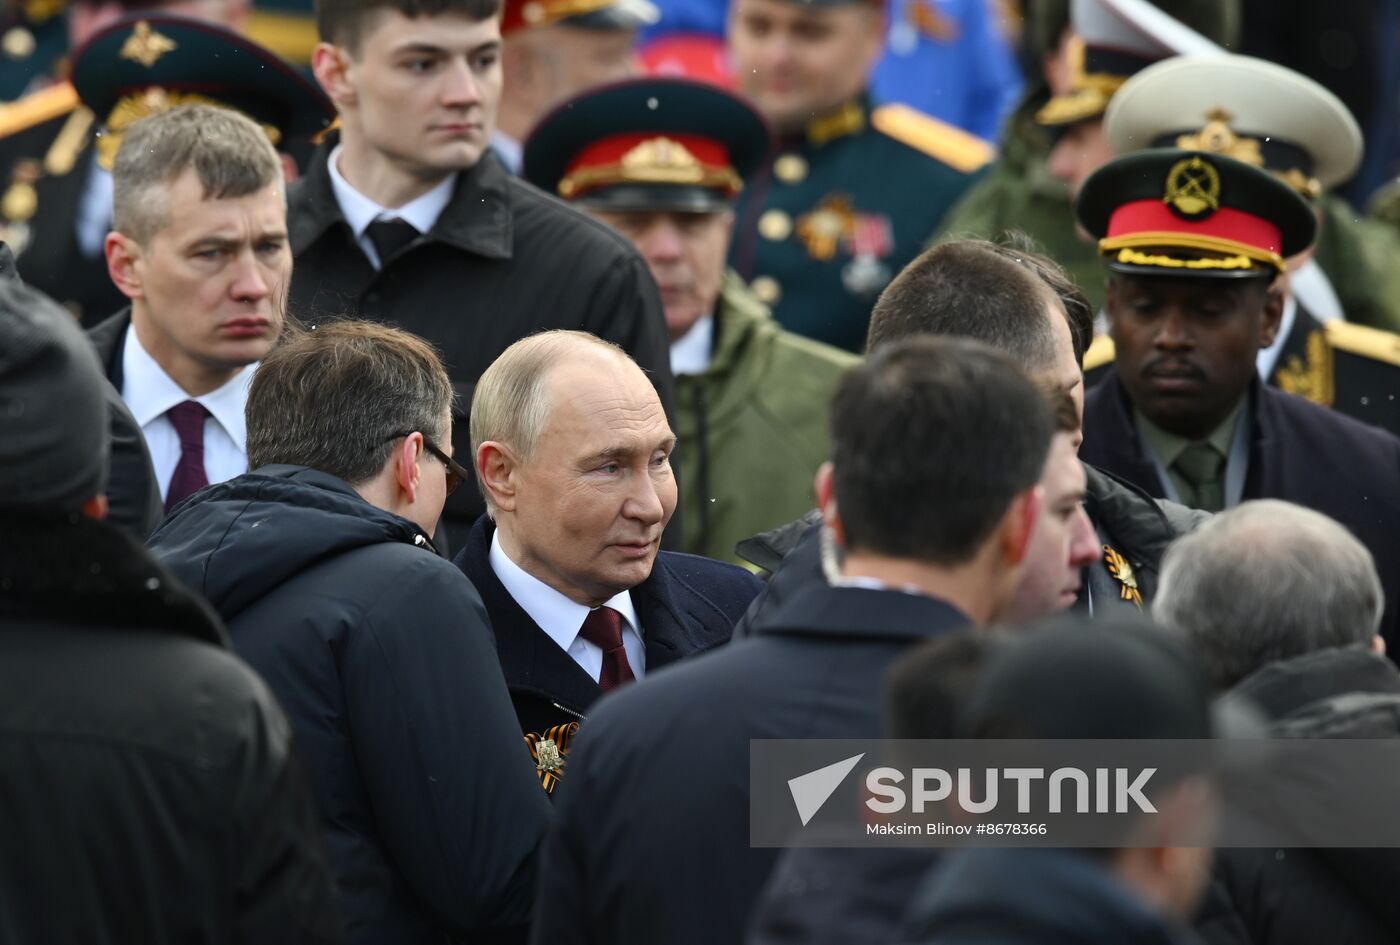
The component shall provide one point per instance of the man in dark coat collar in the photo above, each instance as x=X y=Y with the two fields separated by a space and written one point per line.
x=1194 y=243
x=573 y=452
x=937 y=448
x=135 y=743
x=406 y=215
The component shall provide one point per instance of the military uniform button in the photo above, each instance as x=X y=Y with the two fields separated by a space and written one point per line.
x=18 y=43
x=767 y=290
x=775 y=225
x=790 y=168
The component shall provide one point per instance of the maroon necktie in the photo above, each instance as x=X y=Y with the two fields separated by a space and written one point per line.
x=603 y=628
x=189 y=477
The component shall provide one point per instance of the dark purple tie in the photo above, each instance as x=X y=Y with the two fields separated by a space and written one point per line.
x=189 y=477
x=603 y=628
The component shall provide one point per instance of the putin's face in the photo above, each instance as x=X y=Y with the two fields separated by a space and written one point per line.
x=588 y=505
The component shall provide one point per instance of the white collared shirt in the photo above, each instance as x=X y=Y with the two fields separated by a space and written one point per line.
x=510 y=151
x=692 y=351
x=562 y=618
x=360 y=211
x=149 y=392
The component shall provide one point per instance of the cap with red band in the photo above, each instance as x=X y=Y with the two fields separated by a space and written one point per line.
x=1168 y=211
x=588 y=14
x=648 y=144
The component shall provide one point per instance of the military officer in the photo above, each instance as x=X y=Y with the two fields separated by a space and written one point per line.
x=1272 y=117
x=55 y=188
x=661 y=160
x=1019 y=191
x=852 y=192
x=1195 y=243
x=554 y=49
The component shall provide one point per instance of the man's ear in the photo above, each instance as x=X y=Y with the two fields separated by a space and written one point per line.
x=331 y=65
x=824 y=486
x=407 y=474
x=495 y=470
x=123 y=253
x=1018 y=524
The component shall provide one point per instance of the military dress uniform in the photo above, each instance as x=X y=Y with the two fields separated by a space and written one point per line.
x=1274 y=118
x=1199 y=218
x=1113 y=40
x=33 y=39
x=57 y=145
x=842 y=208
x=751 y=412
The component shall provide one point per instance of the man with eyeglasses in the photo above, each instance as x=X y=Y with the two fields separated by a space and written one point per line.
x=320 y=562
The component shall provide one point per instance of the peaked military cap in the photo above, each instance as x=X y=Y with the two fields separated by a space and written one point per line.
x=1245 y=108
x=142 y=65
x=648 y=144
x=587 y=14
x=1114 y=39
x=1168 y=211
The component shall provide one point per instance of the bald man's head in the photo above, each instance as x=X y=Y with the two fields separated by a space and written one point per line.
x=573 y=454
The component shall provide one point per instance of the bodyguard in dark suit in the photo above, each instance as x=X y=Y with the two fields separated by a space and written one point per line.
x=938 y=444
x=573 y=452
x=406 y=215
x=1193 y=243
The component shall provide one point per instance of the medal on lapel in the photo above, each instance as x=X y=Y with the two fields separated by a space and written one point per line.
x=1122 y=572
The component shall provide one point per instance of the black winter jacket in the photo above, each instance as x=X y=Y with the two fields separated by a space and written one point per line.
x=381 y=653
x=1338 y=896
x=148 y=787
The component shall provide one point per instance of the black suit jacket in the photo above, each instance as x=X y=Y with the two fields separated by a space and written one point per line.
x=133 y=495
x=1298 y=452
x=503 y=261
x=688 y=605
x=651 y=835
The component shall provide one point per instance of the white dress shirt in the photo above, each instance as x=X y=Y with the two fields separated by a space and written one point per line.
x=692 y=351
x=360 y=211
x=562 y=618
x=149 y=392
x=510 y=151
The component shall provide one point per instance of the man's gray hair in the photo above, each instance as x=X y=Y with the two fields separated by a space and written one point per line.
x=229 y=153
x=1266 y=581
x=511 y=402
x=337 y=397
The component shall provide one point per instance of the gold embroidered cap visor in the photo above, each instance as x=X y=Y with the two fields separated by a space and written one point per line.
x=1169 y=211
x=648 y=144
x=144 y=64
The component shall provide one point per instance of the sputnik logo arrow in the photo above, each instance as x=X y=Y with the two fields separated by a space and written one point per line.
x=812 y=790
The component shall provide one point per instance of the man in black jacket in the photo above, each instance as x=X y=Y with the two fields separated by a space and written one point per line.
x=1195 y=243
x=320 y=562
x=1023 y=304
x=937 y=448
x=573 y=453
x=151 y=790
x=1282 y=605
x=407 y=216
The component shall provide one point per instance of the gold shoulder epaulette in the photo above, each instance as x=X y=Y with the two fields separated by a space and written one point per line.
x=37 y=108
x=950 y=144
x=1364 y=341
x=1100 y=352
x=290 y=36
